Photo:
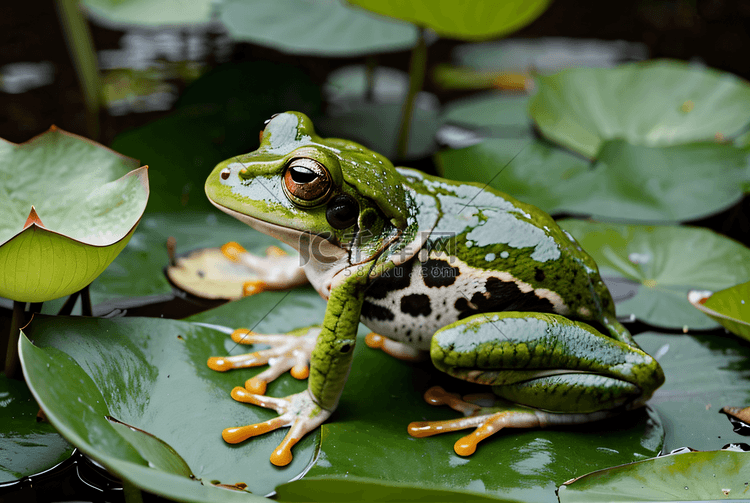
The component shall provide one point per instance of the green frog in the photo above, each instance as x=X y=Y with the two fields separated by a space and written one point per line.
x=487 y=286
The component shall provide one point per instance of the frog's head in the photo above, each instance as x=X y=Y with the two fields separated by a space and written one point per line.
x=337 y=202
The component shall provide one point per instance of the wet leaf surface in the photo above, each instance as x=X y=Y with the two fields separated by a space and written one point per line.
x=655 y=103
x=729 y=307
x=467 y=21
x=27 y=446
x=57 y=237
x=152 y=375
x=690 y=476
x=654 y=258
x=628 y=182
x=334 y=29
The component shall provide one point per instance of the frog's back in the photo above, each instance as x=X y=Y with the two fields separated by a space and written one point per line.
x=487 y=253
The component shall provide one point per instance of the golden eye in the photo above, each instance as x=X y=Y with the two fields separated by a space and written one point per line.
x=307 y=182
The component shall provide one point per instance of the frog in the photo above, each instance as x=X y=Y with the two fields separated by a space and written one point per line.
x=488 y=288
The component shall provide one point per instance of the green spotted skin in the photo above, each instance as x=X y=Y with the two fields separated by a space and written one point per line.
x=546 y=361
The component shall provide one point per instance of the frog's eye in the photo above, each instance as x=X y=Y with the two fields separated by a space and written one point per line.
x=307 y=182
x=342 y=211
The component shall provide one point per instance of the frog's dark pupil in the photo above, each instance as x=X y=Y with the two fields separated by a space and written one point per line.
x=342 y=211
x=302 y=175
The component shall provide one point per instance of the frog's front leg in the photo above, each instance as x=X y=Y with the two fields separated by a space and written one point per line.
x=330 y=362
x=550 y=369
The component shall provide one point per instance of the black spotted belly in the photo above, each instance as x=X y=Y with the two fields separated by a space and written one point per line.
x=411 y=302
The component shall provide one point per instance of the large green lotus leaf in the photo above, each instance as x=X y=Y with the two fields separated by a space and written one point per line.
x=655 y=103
x=689 y=476
x=27 y=446
x=57 y=237
x=703 y=373
x=730 y=307
x=148 y=13
x=546 y=54
x=629 y=182
x=536 y=172
x=151 y=374
x=358 y=489
x=218 y=116
x=139 y=270
x=662 y=264
x=375 y=125
x=331 y=28
x=659 y=184
x=366 y=438
x=477 y=20
x=496 y=114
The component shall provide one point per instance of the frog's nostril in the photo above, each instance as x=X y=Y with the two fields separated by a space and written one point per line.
x=225 y=173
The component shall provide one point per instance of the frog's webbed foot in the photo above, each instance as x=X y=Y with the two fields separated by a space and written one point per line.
x=489 y=420
x=276 y=271
x=395 y=349
x=288 y=352
x=299 y=411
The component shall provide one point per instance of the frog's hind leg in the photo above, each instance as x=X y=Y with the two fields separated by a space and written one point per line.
x=395 y=349
x=276 y=271
x=488 y=420
x=288 y=352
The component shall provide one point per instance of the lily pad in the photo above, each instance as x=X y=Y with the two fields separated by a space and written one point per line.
x=122 y=13
x=475 y=20
x=657 y=103
x=218 y=115
x=151 y=374
x=547 y=54
x=57 y=237
x=368 y=432
x=139 y=270
x=689 y=476
x=27 y=445
x=730 y=307
x=496 y=114
x=332 y=29
x=375 y=125
x=703 y=374
x=664 y=263
x=627 y=183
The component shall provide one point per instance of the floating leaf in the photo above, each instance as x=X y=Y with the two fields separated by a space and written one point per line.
x=375 y=125
x=664 y=263
x=703 y=374
x=367 y=439
x=139 y=271
x=27 y=445
x=689 y=476
x=477 y=20
x=330 y=28
x=152 y=375
x=122 y=13
x=55 y=238
x=218 y=115
x=628 y=182
x=534 y=172
x=358 y=489
x=656 y=103
x=496 y=114
x=730 y=307
x=547 y=54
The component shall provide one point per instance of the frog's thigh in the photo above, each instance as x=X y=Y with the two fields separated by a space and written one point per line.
x=538 y=360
